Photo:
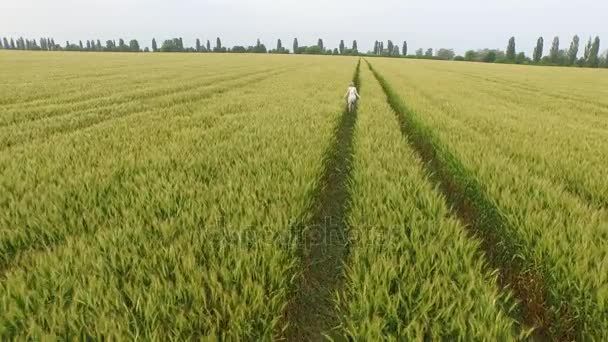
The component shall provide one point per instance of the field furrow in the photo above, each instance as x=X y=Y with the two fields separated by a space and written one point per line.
x=311 y=313
x=413 y=272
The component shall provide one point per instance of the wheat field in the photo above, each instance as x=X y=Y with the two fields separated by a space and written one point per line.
x=196 y=196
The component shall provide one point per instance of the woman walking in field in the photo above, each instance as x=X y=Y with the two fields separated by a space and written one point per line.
x=352 y=96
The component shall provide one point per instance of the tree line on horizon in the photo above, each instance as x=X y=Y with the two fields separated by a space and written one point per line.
x=557 y=56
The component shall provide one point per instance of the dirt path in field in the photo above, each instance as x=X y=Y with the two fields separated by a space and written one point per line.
x=311 y=313
x=484 y=222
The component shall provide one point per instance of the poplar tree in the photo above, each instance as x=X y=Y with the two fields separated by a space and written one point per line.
x=538 y=50
x=390 y=47
x=587 y=51
x=295 y=45
x=320 y=44
x=218 y=44
x=198 y=45
x=404 y=48
x=511 y=50
x=573 y=51
x=355 y=48
x=208 y=46
x=593 y=60
x=554 y=52
x=341 y=47
x=154 y=46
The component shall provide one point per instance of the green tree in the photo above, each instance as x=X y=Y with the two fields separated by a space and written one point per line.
x=511 y=50
x=12 y=44
x=446 y=54
x=538 y=50
x=80 y=45
x=295 y=45
x=554 y=52
x=395 y=50
x=279 y=45
x=154 y=46
x=404 y=48
x=341 y=47
x=604 y=60
x=320 y=45
x=198 y=45
x=88 y=45
x=593 y=60
x=587 y=50
x=6 y=44
x=490 y=57
x=122 y=46
x=134 y=45
x=99 y=47
x=208 y=46
x=355 y=50
x=218 y=45
x=376 y=48
x=521 y=58
x=419 y=53
x=391 y=47
x=573 y=51
x=429 y=53
x=336 y=52
x=259 y=48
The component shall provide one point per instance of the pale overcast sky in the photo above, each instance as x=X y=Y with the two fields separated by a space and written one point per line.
x=459 y=24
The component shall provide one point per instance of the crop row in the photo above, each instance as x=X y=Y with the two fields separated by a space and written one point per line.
x=413 y=271
x=559 y=141
x=173 y=224
x=72 y=121
x=547 y=230
x=38 y=81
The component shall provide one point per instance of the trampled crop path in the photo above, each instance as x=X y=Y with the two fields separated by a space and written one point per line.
x=324 y=244
x=477 y=212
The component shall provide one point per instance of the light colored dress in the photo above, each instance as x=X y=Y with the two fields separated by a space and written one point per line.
x=353 y=95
